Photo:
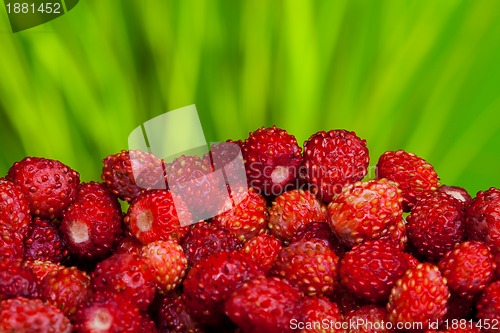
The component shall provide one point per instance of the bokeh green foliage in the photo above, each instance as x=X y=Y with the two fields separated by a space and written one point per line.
x=420 y=75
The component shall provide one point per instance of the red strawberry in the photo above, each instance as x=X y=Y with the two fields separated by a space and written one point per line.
x=246 y=220
x=263 y=250
x=11 y=243
x=264 y=305
x=488 y=307
x=482 y=221
x=65 y=288
x=128 y=244
x=369 y=318
x=468 y=268
x=292 y=210
x=318 y=315
x=173 y=316
x=365 y=210
x=435 y=225
x=128 y=275
x=14 y=207
x=415 y=176
x=205 y=238
x=212 y=280
x=333 y=160
x=154 y=216
x=41 y=268
x=272 y=160
x=397 y=235
x=91 y=226
x=24 y=315
x=168 y=262
x=311 y=266
x=16 y=280
x=129 y=173
x=44 y=242
x=319 y=232
x=458 y=193
x=371 y=269
x=49 y=185
x=421 y=295
x=411 y=260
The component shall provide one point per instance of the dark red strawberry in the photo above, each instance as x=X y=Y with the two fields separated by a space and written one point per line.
x=488 y=307
x=458 y=307
x=212 y=280
x=91 y=225
x=264 y=305
x=128 y=243
x=16 y=280
x=469 y=268
x=318 y=315
x=205 y=238
x=333 y=160
x=228 y=158
x=369 y=318
x=154 y=216
x=11 y=242
x=292 y=210
x=173 y=317
x=421 y=295
x=483 y=218
x=168 y=263
x=272 y=160
x=14 y=207
x=411 y=260
x=310 y=266
x=65 y=288
x=365 y=210
x=346 y=301
x=129 y=173
x=458 y=193
x=263 y=250
x=24 y=315
x=415 y=176
x=319 y=232
x=435 y=225
x=246 y=220
x=128 y=275
x=371 y=269
x=44 y=242
x=49 y=185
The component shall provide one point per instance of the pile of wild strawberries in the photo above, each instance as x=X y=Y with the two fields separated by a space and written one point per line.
x=309 y=247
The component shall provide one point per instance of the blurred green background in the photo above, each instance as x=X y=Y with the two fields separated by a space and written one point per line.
x=418 y=75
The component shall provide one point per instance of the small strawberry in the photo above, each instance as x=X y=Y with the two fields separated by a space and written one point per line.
x=11 y=243
x=482 y=222
x=488 y=307
x=263 y=250
x=41 y=268
x=435 y=225
x=292 y=210
x=154 y=216
x=168 y=262
x=129 y=173
x=173 y=317
x=415 y=176
x=318 y=315
x=272 y=160
x=44 y=242
x=49 y=185
x=128 y=275
x=14 y=207
x=371 y=269
x=65 y=288
x=458 y=193
x=212 y=280
x=365 y=210
x=369 y=318
x=16 y=280
x=421 y=295
x=333 y=160
x=24 y=315
x=319 y=232
x=91 y=226
x=264 y=304
x=311 y=266
x=468 y=268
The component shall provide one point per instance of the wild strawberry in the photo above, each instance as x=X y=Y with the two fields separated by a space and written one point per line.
x=415 y=176
x=482 y=220
x=11 y=243
x=421 y=295
x=128 y=244
x=318 y=315
x=49 y=185
x=14 y=207
x=168 y=262
x=264 y=305
x=41 y=268
x=319 y=232
x=369 y=318
x=263 y=250
x=272 y=160
x=173 y=317
x=292 y=210
x=91 y=226
x=333 y=160
x=397 y=235
x=129 y=173
x=204 y=239
x=488 y=307
x=212 y=280
x=458 y=193
x=365 y=210
x=44 y=242
x=468 y=268
x=311 y=266
x=16 y=280
x=24 y=315
x=371 y=269
x=246 y=220
x=128 y=275
x=228 y=158
x=435 y=225
x=65 y=288
x=154 y=216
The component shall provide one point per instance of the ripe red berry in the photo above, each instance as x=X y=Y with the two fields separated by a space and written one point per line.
x=415 y=176
x=41 y=268
x=14 y=207
x=11 y=243
x=318 y=315
x=333 y=160
x=370 y=318
x=263 y=250
x=482 y=222
x=44 y=242
x=173 y=317
x=16 y=280
x=488 y=307
x=458 y=193
x=319 y=232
